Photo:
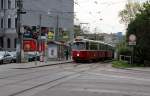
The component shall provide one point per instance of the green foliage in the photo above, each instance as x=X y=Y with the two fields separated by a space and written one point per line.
x=128 y=14
x=141 y=28
x=121 y=64
x=125 y=51
x=124 y=64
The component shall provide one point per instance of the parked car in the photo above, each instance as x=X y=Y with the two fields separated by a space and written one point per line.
x=14 y=56
x=5 y=57
x=32 y=57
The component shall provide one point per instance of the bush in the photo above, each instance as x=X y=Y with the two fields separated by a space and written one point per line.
x=124 y=64
x=125 y=51
x=121 y=64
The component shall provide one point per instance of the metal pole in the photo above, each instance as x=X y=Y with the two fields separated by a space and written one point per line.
x=39 y=29
x=4 y=25
x=19 y=10
x=57 y=28
x=40 y=21
x=36 y=58
x=132 y=54
x=39 y=38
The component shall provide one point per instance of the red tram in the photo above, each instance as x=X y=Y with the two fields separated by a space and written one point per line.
x=91 y=50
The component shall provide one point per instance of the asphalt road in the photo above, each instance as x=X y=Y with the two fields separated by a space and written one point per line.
x=95 y=79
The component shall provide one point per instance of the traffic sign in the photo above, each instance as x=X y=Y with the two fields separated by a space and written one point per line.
x=132 y=39
x=132 y=43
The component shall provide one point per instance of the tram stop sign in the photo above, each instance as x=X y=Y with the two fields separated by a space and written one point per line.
x=132 y=39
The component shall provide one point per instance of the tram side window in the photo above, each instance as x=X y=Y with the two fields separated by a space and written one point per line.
x=93 y=46
x=103 y=47
x=100 y=46
x=87 y=45
x=79 y=45
x=106 y=47
x=110 y=48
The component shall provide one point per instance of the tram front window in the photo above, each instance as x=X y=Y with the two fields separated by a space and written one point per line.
x=79 y=46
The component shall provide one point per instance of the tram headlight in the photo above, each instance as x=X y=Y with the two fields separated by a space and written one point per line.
x=78 y=54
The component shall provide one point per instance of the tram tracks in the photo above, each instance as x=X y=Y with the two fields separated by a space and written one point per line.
x=42 y=74
x=49 y=83
x=20 y=81
x=25 y=73
x=54 y=82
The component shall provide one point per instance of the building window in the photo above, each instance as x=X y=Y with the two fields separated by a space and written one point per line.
x=15 y=22
x=2 y=4
x=9 y=4
x=2 y=21
x=8 y=43
x=9 y=22
x=15 y=42
x=15 y=3
x=1 y=43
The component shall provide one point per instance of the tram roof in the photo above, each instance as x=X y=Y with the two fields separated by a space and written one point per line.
x=94 y=41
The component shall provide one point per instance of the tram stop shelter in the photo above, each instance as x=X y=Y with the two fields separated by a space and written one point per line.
x=56 y=50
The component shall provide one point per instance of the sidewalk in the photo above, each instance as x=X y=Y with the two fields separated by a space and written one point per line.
x=36 y=64
x=140 y=69
x=33 y=64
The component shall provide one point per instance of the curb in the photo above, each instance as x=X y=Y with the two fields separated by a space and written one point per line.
x=132 y=69
x=137 y=70
x=43 y=65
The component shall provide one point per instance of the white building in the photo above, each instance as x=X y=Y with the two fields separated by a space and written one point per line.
x=55 y=14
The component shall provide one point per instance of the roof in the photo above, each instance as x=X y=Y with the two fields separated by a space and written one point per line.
x=57 y=43
x=88 y=40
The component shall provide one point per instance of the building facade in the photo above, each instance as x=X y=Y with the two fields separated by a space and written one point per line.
x=56 y=15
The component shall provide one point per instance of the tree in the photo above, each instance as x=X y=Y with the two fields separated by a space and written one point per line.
x=129 y=13
x=140 y=26
x=122 y=48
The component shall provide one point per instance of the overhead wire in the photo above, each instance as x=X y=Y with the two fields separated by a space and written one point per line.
x=99 y=3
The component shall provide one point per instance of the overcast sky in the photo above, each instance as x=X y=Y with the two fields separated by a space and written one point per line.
x=101 y=15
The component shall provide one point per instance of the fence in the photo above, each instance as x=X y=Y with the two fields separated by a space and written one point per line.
x=126 y=58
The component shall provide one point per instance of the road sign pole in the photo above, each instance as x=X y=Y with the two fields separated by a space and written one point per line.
x=132 y=43
x=132 y=54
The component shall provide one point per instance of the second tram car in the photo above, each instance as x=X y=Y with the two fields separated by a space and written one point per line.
x=91 y=50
